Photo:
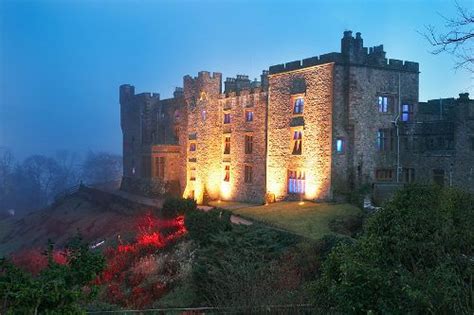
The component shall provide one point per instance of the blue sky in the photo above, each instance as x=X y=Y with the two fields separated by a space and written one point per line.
x=61 y=62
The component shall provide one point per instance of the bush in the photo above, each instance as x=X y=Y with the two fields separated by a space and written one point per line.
x=202 y=225
x=242 y=267
x=174 y=206
x=414 y=257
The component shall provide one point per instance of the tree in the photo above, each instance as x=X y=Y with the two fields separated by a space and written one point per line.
x=101 y=167
x=58 y=289
x=415 y=256
x=457 y=39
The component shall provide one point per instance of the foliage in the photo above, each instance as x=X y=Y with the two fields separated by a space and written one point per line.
x=58 y=288
x=140 y=272
x=415 y=256
x=238 y=265
x=33 y=183
x=202 y=226
x=101 y=167
x=174 y=206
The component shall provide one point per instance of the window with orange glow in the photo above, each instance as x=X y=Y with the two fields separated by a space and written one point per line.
x=297 y=142
x=227 y=145
x=227 y=173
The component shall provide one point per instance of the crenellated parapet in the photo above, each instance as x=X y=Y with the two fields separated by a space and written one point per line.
x=352 y=53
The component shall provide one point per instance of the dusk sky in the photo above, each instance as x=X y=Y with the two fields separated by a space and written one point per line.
x=61 y=62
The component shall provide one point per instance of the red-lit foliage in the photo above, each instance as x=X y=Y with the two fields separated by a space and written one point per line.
x=132 y=277
x=34 y=260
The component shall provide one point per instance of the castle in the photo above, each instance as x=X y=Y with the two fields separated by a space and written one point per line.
x=313 y=129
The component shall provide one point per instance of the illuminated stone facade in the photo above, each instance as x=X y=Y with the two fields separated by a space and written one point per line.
x=311 y=129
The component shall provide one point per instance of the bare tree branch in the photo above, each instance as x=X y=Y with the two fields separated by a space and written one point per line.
x=457 y=39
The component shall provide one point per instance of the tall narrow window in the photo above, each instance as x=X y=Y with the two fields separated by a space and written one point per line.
x=296 y=182
x=248 y=115
x=192 y=173
x=384 y=104
x=340 y=145
x=438 y=177
x=227 y=173
x=297 y=142
x=227 y=145
x=227 y=118
x=248 y=174
x=409 y=175
x=382 y=140
x=407 y=112
x=248 y=144
x=298 y=105
x=192 y=146
x=160 y=167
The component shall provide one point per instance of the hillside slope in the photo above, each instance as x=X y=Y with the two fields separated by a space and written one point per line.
x=81 y=211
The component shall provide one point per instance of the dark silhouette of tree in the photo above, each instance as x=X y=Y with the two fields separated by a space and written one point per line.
x=457 y=38
x=101 y=167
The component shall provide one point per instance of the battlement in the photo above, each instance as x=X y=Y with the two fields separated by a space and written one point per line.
x=241 y=83
x=353 y=53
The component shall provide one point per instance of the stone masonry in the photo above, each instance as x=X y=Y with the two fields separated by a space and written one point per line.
x=312 y=129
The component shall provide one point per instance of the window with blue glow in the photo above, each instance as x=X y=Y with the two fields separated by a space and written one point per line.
x=296 y=182
x=340 y=145
x=298 y=106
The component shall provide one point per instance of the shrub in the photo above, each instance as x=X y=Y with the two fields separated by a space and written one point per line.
x=174 y=206
x=414 y=257
x=202 y=225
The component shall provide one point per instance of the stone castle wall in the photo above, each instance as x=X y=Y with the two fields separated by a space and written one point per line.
x=315 y=86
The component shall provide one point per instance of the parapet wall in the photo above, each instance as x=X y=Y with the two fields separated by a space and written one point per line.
x=389 y=64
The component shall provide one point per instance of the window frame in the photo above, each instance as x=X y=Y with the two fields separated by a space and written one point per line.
x=296 y=182
x=160 y=165
x=409 y=112
x=343 y=145
x=227 y=118
x=226 y=173
x=387 y=107
x=248 y=144
x=300 y=107
x=297 y=142
x=247 y=116
x=226 y=145
x=248 y=174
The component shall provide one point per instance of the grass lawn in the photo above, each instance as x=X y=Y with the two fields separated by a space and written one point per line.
x=308 y=219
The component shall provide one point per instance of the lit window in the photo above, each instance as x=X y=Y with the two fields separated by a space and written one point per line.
x=298 y=106
x=296 y=182
x=340 y=145
x=160 y=167
x=192 y=173
x=297 y=142
x=384 y=102
x=248 y=173
x=384 y=174
x=227 y=145
x=248 y=144
x=248 y=115
x=227 y=173
x=203 y=115
x=407 y=112
x=192 y=146
x=226 y=118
